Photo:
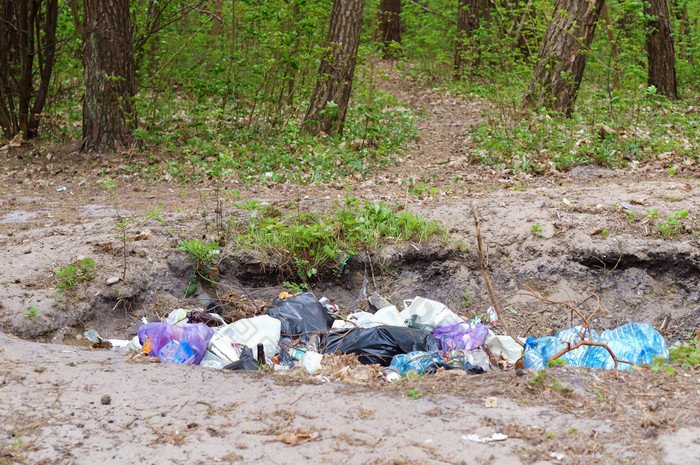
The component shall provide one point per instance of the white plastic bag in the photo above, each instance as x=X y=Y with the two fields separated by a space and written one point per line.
x=504 y=346
x=385 y=316
x=430 y=313
x=261 y=329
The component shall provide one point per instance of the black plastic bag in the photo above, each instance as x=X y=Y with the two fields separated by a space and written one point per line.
x=245 y=362
x=301 y=316
x=379 y=344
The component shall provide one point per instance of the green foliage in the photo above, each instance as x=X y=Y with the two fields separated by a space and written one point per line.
x=686 y=354
x=203 y=256
x=673 y=225
x=70 y=276
x=536 y=230
x=32 y=313
x=296 y=288
x=306 y=243
x=415 y=393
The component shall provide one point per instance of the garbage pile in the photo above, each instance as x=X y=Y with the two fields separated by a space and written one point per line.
x=299 y=330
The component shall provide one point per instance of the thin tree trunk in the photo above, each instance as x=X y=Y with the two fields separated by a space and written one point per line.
x=560 y=63
x=614 y=53
x=337 y=69
x=217 y=21
x=389 y=26
x=75 y=6
x=661 y=55
x=468 y=12
x=108 y=61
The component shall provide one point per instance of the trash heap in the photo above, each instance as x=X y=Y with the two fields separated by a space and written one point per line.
x=298 y=330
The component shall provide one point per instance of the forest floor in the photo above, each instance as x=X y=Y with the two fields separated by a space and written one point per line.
x=63 y=402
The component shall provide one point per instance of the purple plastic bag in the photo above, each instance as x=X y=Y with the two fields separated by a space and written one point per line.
x=160 y=334
x=462 y=336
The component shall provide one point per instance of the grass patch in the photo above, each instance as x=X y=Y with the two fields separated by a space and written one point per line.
x=306 y=244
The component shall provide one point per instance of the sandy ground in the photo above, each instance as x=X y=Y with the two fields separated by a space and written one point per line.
x=64 y=404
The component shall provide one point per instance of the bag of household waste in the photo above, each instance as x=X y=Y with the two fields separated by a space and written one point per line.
x=429 y=313
x=301 y=315
x=378 y=344
x=250 y=332
x=634 y=342
x=429 y=362
x=385 y=316
x=461 y=336
x=154 y=337
x=419 y=361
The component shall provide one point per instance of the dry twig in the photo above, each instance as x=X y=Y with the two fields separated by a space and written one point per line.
x=492 y=295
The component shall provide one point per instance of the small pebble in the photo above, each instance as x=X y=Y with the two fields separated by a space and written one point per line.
x=142 y=253
x=106 y=400
x=112 y=280
x=519 y=372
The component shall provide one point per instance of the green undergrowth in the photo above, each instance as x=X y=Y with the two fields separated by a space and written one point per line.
x=615 y=132
x=685 y=354
x=309 y=244
x=201 y=143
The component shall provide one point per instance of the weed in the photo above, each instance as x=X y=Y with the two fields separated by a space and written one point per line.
x=296 y=288
x=536 y=230
x=416 y=393
x=673 y=225
x=686 y=354
x=306 y=244
x=70 y=276
x=203 y=256
x=467 y=299
x=605 y=233
x=32 y=313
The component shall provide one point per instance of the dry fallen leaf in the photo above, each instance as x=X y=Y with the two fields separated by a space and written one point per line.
x=296 y=437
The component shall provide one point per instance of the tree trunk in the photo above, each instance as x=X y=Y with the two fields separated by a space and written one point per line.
x=217 y=20
x=614 y=53
x=560 y=63
x=75 y=6
x=335 y=74
x=27 y=52
x=468 y=14
x=660 y=53
x=108 y=62
x=389 y=26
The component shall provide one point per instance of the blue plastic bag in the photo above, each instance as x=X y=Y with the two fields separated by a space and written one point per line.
x=461 y=336
x=634 y=342
x=159 y=335
x=419 y=361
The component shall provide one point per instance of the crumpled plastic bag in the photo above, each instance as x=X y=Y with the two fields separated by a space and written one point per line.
x=634 y=342
x=158 y=335
x=430 y=313
x=378 y=344
x=386 y=316
x=461 y=336
x=301 y=315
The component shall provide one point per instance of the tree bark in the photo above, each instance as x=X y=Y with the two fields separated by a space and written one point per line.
x=661 y=56
x=614 y=53
x=75 y=6
x=108 y=61
x=469 y=12
x=337 y=69
x=27 y=51
x=557 y=75
x=389 y=26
